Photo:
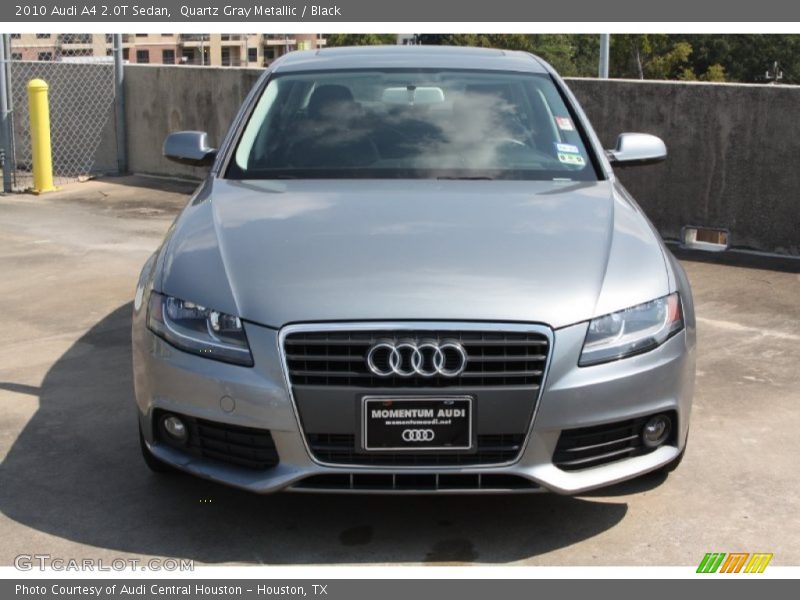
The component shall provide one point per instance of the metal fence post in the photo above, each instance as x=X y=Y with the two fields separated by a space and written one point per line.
x=119 y=95
x=5 y=119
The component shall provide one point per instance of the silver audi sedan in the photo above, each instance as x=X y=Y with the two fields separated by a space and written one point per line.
x=413 y=270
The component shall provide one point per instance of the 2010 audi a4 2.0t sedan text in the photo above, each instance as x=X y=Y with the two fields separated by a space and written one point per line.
x=413 y=270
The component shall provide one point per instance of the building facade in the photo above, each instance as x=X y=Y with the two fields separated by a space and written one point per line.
x=215 y=49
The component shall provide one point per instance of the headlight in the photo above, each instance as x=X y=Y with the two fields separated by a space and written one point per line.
x=632 y=331
x=198 y=329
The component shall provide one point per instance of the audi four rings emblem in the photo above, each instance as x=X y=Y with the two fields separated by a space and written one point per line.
x=426 y=359
x=418 y=435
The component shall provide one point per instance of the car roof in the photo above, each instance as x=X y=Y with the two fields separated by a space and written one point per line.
x=385 y=57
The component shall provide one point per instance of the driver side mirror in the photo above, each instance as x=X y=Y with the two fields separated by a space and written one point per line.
x=189 y=148
x=637 y=149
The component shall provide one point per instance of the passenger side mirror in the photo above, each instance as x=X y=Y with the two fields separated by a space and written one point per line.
x=637 y=149
x=189 y=148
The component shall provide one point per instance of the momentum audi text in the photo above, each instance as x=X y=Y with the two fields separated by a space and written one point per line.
x=413 y=270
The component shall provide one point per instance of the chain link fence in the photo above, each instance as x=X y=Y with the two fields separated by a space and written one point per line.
x=79 y=71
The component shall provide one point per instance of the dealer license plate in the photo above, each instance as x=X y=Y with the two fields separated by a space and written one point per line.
x=430 y=423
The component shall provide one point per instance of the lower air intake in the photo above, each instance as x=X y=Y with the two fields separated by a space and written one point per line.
x=602 y=444
x=416 y=482
x=242 y=446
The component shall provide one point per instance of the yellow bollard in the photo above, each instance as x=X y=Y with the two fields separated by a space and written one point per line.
x=39 y=111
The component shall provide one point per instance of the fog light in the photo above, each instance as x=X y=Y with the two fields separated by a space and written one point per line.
x=656 y=431
x=175 y=428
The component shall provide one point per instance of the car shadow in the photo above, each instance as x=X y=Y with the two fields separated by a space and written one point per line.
x=75 y=472
x=645 y=483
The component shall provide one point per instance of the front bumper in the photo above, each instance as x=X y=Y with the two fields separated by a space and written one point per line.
x=171 y=380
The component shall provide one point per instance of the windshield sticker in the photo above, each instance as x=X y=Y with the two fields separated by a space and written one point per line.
x=565 y=124
x=571 y=159
x=568 y=148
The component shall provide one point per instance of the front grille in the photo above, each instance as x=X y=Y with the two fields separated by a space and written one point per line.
x=601 y=444
x=341 y=449
x=243 y=446
x=340 y=359
x=415 y=482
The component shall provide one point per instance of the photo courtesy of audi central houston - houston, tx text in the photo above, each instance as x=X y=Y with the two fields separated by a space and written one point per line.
x=412 y=269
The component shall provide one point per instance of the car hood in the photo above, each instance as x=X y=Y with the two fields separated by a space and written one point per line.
x=279 y=252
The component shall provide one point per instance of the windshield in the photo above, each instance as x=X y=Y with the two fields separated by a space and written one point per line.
x=411 y=124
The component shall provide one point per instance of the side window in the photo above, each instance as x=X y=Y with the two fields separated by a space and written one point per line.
x=245 y=150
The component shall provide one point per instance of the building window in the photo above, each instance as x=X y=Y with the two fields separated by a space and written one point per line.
x=252 y=55
x=226 y=57
x=168 y=57
x=141 y=35
x=269 y=53
x=16 y=36
x=143 y=56
x=126 y=53
x=45 y=56
x=72 y=38
x=16 y=56
x=42 y=36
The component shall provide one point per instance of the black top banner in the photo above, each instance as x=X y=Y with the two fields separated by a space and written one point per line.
x=398 y=11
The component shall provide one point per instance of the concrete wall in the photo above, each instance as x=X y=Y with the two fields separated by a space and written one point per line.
x=734 y=150
x=161 y=99
x=734 y=155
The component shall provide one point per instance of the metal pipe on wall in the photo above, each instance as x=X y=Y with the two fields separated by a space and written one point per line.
x=605 y=43
x=119 y=100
